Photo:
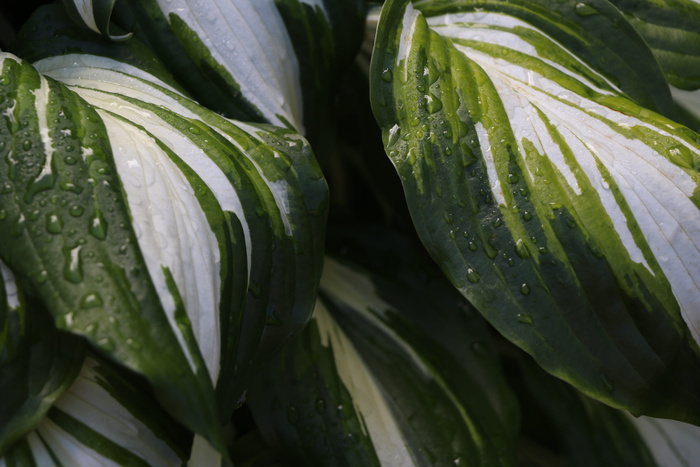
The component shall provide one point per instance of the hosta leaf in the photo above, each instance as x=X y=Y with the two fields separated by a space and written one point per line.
x=672 y=443
x=578 y=430
x=375 y=380
x=281 y=193
x=37 y=363
x=672 y=30
x=186 y=205
x=102 y=419
x=565 y=212
x=271 y=61
x=96 y=15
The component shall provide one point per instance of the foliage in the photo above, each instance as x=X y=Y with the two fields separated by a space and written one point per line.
x=330 y=232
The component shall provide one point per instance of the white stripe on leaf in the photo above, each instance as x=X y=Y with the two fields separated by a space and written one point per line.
x=10 y=284
x=249 y=39
x=365 y=392
x=672 y=443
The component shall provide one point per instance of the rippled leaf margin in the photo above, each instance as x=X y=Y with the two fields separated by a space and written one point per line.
x=540 y=189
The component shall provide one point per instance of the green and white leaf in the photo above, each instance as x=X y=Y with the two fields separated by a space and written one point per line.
x=172 y=195
x=96 y=15
x=568 y=214
x=671 y=28
x=256 y=60
x=102 y=419
x=37 y=364
x=369 y=384
x=672 y=443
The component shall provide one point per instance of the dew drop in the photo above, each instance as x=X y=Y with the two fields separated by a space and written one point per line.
x=448 y=217
x=473 y=246
x=527 y=215
x=91 y=300
x=497 y=223
x=524 y=318
x=473 y=276
x=320 y=406
x=27 y=144
x=6 y=188
x=106 y=344
x=525 y=289
x=75 y=210
x=41 y=276
x=98 y=227
x=18 y=226
x=54 y=224
x=72 y=267
x=72 y=187
x=583 y=9
x=387 y=75
x=521 y=249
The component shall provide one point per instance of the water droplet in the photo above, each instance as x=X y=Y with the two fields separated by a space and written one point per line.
x=293 y=415
x=76 y=211
x=448 y=217
x=133 y=344
x=3 y=214
x=583 y=9
x=387 y=75
x=27 y=144
x=41 y=276
x=72 y=187
x=543 y=250
x=91 y=300
x=524 y=318
x=6 y=188
x=527 y=215
x=18 y=226
x=473 y=276
x=72 y=267
x=525 y=289
x=415 y=121
x=570 y=222
x=98 y=226
x=70 y=160
x=497 y=223
x=473 y=246
x=54 y=224
x=106 y=344
x=320 y=406
x=521 y=249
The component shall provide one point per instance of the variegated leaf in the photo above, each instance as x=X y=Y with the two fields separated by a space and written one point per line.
x=156 y=218
x=568 y=214
x=387 y=373
x=102 y=419
x=37 y=363
x=96 y=15
x=672 y=30
x=265 y=61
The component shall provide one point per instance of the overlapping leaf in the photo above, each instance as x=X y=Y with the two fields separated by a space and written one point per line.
x=102 y=419
x=568 y=214
x=672 y=30
x=138 y=224
x=265 y=61
x=390 y=371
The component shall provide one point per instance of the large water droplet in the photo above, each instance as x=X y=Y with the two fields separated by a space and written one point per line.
x=525 y=289
x=584 y=9
x=54 y=224
x=72 y=267
x=98 y=226
x=521 y=249
x=387 y=75
x=91 y=300
x=473 y=276
x=524 y=318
